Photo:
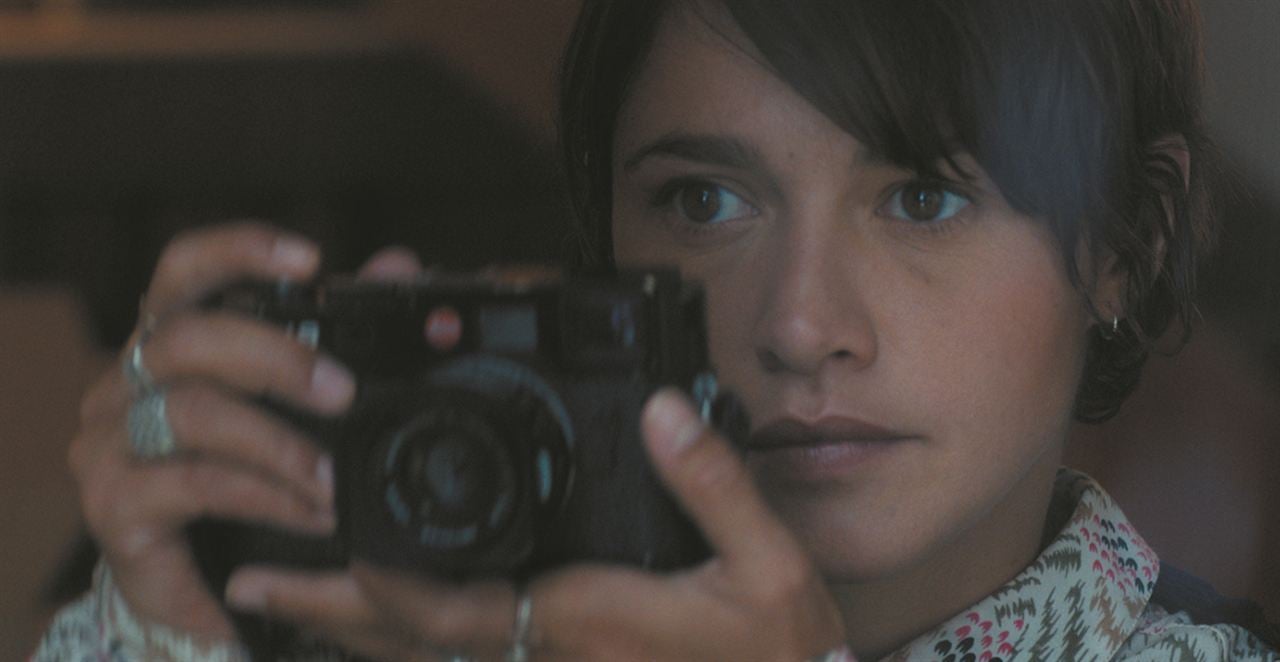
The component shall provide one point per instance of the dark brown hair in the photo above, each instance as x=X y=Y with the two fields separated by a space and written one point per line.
x=1073 y=107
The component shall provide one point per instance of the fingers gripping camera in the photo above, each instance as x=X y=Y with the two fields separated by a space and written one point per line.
x=496 y=426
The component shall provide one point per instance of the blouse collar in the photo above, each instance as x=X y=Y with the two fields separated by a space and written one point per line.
x=1080 y=599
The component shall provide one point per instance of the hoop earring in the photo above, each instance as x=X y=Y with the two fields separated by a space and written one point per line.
x=1109 y=334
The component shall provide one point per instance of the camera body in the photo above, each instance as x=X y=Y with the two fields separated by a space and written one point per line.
x=495 y=430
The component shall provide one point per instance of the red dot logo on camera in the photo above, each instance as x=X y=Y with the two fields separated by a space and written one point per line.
x=443 y=328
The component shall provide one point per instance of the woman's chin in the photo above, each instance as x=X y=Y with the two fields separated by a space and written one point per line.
x=852 y=545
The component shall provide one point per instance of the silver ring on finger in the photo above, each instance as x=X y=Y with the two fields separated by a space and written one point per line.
x=519 y=651
x=135 y=371
x=150 y=435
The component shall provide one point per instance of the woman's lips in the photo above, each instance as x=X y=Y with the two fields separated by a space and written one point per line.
x=826 y=449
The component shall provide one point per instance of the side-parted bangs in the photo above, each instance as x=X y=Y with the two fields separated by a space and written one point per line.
x=1073 y=108
x=1041 y=97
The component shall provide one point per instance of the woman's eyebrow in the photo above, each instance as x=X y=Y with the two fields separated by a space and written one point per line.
x=712 y=149
x=727 y=151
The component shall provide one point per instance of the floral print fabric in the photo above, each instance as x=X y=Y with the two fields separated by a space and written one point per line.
x=1086 y=597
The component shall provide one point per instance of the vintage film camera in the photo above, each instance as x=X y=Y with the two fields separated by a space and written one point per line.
x=496 y=424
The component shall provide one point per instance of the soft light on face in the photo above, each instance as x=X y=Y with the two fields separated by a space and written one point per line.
x=846 y=292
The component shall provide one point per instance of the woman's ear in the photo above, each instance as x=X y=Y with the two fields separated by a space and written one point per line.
x=1111 y=278
x=1174 y=146
x=1109 y=287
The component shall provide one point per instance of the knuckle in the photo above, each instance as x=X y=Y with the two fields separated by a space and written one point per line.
x=186 y=408
x=168 y=343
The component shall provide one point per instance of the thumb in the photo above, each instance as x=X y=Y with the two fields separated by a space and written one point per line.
x=707 y=476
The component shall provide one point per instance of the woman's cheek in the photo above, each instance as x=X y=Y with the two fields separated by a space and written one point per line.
x=730 y=324
x=1014 y=360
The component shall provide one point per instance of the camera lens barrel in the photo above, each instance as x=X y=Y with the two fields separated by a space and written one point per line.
x=459 y=475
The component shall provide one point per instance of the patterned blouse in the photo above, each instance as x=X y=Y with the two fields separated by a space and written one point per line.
x=1087 y=597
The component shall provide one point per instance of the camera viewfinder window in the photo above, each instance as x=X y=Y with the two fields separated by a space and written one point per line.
x=509 y=329
x=603 y=328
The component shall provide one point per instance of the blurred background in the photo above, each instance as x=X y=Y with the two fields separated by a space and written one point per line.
x=430 y=123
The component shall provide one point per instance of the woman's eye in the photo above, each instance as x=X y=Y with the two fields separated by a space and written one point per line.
x=706 y=203
x=925 y=202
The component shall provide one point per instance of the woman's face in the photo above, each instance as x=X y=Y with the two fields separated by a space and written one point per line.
x=909 y=352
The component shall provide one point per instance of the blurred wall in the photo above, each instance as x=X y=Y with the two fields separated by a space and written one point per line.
x=1244 y=95
x=46 y=359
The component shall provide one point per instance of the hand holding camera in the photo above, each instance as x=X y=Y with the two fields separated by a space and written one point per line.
x=547 y=584
x=248 y=403
x=496 y=428
x=233 y=458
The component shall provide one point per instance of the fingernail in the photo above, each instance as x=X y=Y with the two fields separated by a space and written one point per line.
x=332 y=386
x=247 y=593
x=673 y=421
x=295 y=253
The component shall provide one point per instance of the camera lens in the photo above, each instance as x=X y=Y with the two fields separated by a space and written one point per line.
x=450 y=478
x=462 y=474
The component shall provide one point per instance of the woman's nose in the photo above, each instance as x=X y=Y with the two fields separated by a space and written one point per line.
x=814 y=310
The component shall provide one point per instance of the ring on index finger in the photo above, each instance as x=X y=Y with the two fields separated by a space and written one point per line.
x=135 y=371
x=150 y=435
x=519 y=651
